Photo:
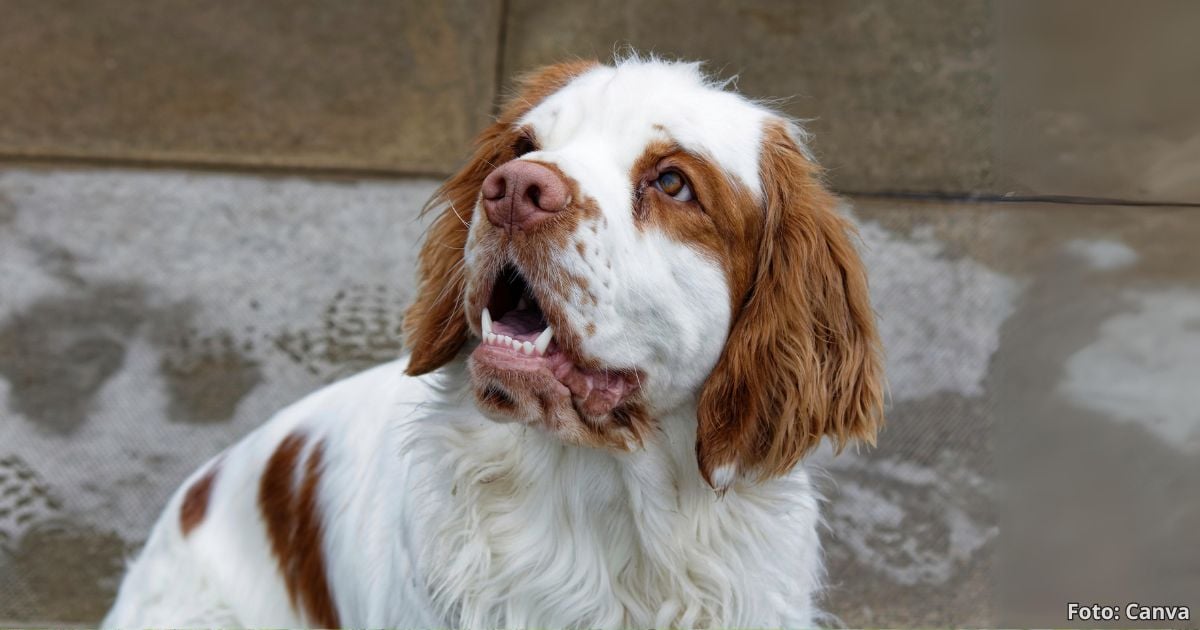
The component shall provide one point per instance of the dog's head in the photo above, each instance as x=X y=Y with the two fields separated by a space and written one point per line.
x=630 y=240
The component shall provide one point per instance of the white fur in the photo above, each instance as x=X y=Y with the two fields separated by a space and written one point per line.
x=434 y=516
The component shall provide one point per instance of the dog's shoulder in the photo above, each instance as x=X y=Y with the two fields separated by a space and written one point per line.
x=254 y=518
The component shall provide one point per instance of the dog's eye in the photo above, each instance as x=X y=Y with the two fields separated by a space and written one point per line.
x=674 y=184
x=524 y=144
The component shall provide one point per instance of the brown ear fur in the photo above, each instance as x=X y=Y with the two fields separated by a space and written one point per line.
x=802 y=359
x=435 y=326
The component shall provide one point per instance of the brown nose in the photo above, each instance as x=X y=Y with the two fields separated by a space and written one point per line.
x=522 y=194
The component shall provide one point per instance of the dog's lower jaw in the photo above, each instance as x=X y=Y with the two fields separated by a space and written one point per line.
x=537 y=399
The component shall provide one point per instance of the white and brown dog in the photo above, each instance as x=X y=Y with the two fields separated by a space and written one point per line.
x=637 y=310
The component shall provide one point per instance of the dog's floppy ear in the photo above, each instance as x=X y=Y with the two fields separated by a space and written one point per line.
x=435 y=327
x=802 y=358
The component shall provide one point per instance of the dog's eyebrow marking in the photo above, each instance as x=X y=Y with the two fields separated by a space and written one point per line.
x=195 y=502
x=293 y=525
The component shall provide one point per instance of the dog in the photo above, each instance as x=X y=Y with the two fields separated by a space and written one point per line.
x=638 y=309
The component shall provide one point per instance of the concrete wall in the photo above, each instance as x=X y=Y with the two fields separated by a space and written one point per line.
x=1091 y=99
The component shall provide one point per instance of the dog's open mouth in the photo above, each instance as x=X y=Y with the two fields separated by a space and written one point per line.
x=518 y=341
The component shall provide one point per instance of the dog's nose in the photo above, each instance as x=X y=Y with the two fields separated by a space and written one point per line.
x=522 y=194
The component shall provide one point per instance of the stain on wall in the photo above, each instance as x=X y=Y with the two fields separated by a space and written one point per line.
x=57 y=260
x=8 y=209
x=60 y=351
x=207 y=377
x=24 y=497
x=361 y=327
x=69 y=572
x=912 y=522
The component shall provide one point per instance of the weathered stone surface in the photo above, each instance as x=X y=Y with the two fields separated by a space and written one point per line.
x=1097 y=411
x=1100 y=99
x=900 y=94
x=150 y=318
x=1077 y=98
x=1040 y=98
x=1043 y=440
x=396 y=86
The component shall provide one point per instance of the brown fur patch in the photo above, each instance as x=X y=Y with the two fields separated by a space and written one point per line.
x=435 y=326
x=195 y=501
x=293 y=522
x=723 y=222
x=633 y=417
x=802 y=360
x=533 y=88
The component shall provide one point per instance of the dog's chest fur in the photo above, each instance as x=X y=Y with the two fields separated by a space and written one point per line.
x=523 y=531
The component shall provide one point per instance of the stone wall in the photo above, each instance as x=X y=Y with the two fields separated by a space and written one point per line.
x=979 y=98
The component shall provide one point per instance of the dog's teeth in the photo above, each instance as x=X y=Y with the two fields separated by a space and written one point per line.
x=543 y=340
x=489 y=338
x=486 y=323
x=527 y=348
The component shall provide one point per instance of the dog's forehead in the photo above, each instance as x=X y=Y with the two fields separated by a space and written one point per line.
x=628 y=107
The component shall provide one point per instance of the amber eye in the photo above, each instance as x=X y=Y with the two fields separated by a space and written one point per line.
x=674 y=184
x=524 y=144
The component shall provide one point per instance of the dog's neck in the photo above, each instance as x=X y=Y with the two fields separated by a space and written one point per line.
x=521 y=515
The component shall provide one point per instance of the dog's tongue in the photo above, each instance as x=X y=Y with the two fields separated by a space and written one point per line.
x=521 y=324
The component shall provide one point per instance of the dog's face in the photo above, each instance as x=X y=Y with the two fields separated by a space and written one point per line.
x=630 y=240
